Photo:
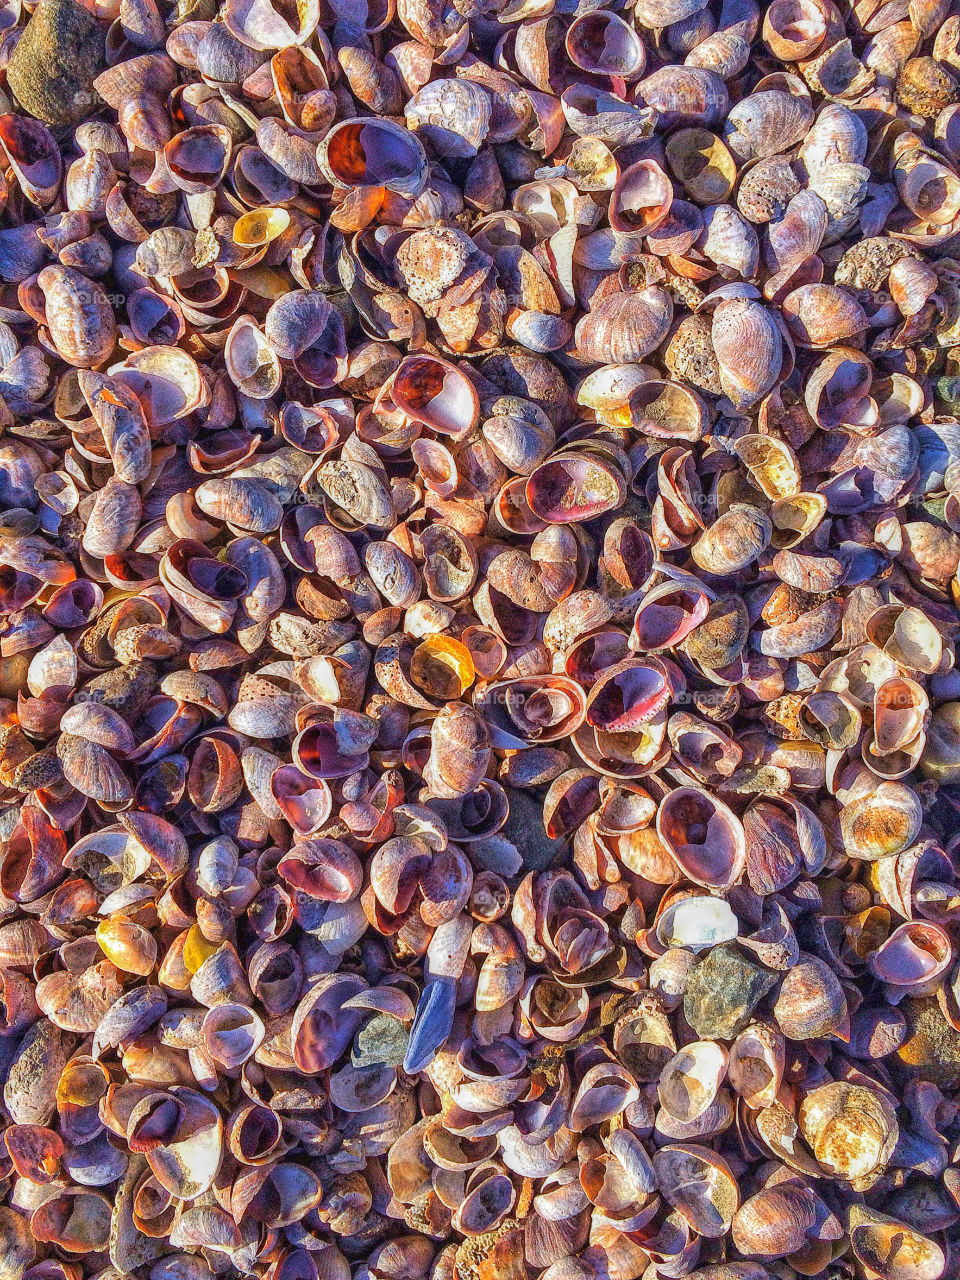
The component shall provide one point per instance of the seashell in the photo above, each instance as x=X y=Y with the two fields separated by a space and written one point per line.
x=819 y=315
x=245 y=502
x=685 y=95
x=925 y=87
x=250 y=360
x=626 y=327
x=654 y=14
x=889 y=50
x=127 y=945
x=701 y=162
x=927 y=187
x=365 y=152
x=882 y=822
x=831 y=719
x=641 y=199
x=667 y=615
x=725 y=52
x=794 y=29
x=783 y=838
x=673 y=412
x=679 y=231
x=573 y=487
x=766 y=189
x=197 y=158
x=452 y=115
x=594 y=113
x=121 y=421
x=690 y=357
x=605 y=1091
x=489 y=1197
x=720 y=638
x=850 y=1128
x=231 y=1033
x=914 y=957
x=359 y=491
x=837 y=392
x=459 y=752
x=890 y=1246
x=690 y=1080
x=79 y=316
x=397 y=833
x=437 y=394
x=697 y=923
x=772 y=465
x=748 y=348
x=756 y=1064
x=704 y=837
x=730 y=242
x=77 y=1221
x=699 y=1185
x=837 y=137
x=733 y=541
x=811 y=1002
x=778 y=1220
x=261 y=26
x=603 y=44
x=33 y=157
x=842 y=187
x=765 y=124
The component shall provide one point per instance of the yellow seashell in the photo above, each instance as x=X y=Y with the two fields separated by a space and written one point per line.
x=127 y=945
x=197 y=948
x=260 y=227
x=442 y=667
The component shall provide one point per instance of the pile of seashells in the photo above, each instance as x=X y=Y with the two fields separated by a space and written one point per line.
x=479 y=685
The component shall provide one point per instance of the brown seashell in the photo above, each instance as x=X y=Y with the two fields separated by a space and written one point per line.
x=925 y=87
x=365 y=152
x=640 y=200
x=574 y=486
x=699 y=1184
x=882 y=822
x=733 y=541
x=453 y=116
x=33 y=156
x=794 y=29
x=851 y=1129
x=78 y=1221
x=811 y=1002
x=625 y=327
x=603 y=44
x=748 y=348
x=409 y=865
x=890 y=1246
x=766 y=123
x=704 y=836
x=819 y=315
x=686 y=95
x=437 y=394
x=79 y=316
x=766 y=190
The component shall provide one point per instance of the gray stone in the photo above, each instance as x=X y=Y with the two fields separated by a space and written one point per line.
x=723 y=990
x=56 y=61
x=524 y=829
x=381 y=1042
x=931 y=1050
